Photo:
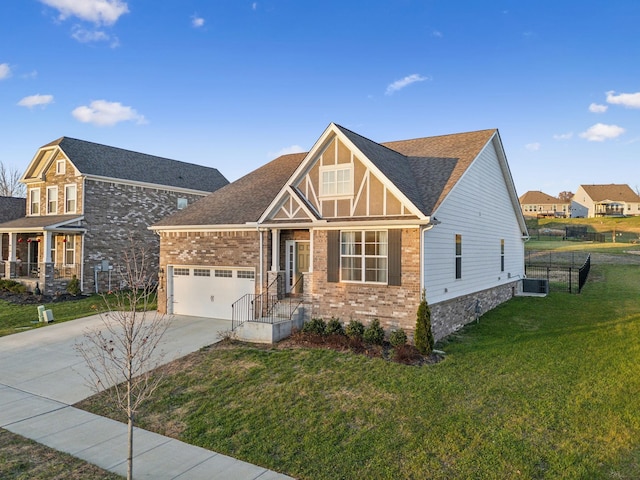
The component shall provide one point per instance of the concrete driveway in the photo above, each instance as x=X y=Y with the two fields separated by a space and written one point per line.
x=41 y=376
x=44 y=362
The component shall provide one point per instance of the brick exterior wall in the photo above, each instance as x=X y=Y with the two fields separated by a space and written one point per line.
x=231 y=249
x=394 y=306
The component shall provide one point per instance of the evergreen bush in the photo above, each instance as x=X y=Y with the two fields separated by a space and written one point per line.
x=374 y=333
x=354 y=329
x=398 y=338
x=74 y=286
x=424 y=336
x=315 y=325
x=334 y=327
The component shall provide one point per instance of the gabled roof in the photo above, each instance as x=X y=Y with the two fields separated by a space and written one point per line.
x=242 y=201
x=424 y=170
x=613 y=192
x=42 y=222
x=537 y=197
x=11 y=208
x=94 y=159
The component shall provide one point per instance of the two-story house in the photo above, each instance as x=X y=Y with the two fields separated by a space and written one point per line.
x=86 y=202
x=611 y=200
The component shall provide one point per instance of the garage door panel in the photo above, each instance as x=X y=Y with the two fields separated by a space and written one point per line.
x=209 y=292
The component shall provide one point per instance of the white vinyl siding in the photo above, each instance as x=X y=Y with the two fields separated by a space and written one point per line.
x=479 y=209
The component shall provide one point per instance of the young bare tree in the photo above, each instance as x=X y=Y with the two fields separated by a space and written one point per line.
x=124 y=350
x=10 y=185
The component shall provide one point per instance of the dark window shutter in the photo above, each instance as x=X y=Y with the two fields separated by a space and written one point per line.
x=395 y=257
x=333 y=256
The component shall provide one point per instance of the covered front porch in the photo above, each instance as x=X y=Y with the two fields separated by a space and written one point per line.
x=40 y=254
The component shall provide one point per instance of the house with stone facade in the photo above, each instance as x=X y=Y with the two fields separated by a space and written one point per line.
x=85 y=203
x=10 y=209
x=353 y=229
x=609 y=200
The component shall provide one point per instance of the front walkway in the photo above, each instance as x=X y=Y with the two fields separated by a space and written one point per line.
x=41 y=376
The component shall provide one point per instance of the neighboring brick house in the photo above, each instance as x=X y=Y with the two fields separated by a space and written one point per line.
x=85 y=202
x=535 y=203
x=10 y=209
x=357 y=230
x=612 y=200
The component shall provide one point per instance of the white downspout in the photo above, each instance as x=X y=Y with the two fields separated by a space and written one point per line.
x=423 y=243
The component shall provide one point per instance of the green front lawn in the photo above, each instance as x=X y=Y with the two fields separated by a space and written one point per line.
x=540 y=388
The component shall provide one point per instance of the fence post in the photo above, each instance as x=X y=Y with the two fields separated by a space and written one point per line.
x=570 y=269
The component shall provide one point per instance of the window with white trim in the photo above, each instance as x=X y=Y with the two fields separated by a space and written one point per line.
x=52 y=200
x=246 y=274
x=69 y=250
x=502 y=255
x=180 y=272
x=182 y=203
x=364 y=256
x=61 y=167
x=336 y=181
x=201 y=272
x=34 y=201
x=224 y=273
x=70 y=196
x=458 y=256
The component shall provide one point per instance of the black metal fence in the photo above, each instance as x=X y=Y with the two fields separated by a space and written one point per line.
x=564 y=272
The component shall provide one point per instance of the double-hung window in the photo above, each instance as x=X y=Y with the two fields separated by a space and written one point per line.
x=502 y=255
x=70 y=199
x=364 y=256
x=69 y=250
x=60 y=167
x=52 y=200
x=34 y=201
x=336 y=181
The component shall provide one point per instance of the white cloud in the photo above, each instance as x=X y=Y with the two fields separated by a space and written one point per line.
x=563 y=136
x=103 y=113
x=254 y=6
x=629 y=100
x=533 y=147
x=100 y=12
x=405 y=82
x=86 y=36
x=436 y=33
x=596 y=108
x=197 y=22
x=35 y=100
x=286 y=151
x=601 y=132
x=5 y=71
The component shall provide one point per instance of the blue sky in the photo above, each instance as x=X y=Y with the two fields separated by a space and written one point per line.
x=235 y=83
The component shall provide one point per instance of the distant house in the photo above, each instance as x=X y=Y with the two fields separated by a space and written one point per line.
x=84 y=203
x=353 y=229
x=535 y=203
x=613 y=200
x=10 y=209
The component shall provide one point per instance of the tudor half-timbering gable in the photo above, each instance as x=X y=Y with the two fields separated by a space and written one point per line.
x=338 y=181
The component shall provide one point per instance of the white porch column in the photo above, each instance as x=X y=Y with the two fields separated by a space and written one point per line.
x=1 y=241
x=46 y=244
x=13 y=240
x=275 y=249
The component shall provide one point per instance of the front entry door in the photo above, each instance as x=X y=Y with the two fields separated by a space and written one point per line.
x=297 y=262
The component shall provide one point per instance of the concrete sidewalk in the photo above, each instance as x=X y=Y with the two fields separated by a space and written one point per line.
x=41 y=376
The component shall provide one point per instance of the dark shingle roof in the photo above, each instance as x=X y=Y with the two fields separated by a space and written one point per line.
x=242 y=201
x=11 y=208
x=41 y=221
x=424 y=169
x=101 y=160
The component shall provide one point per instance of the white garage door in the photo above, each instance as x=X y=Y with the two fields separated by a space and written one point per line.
x=209 y=291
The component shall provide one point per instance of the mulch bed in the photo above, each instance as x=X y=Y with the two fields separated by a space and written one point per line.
x=31 y=299
x=405 y=354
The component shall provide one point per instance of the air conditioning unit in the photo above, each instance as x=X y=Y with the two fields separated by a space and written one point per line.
x=535 y=285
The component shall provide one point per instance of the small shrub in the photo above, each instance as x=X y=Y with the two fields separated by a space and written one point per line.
x=12 y=286
x=74 y=286
x=423 y=337
x=374 y=333
x=334 y=327
x=397 y=338
x=315 y=325
x=355 y=329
